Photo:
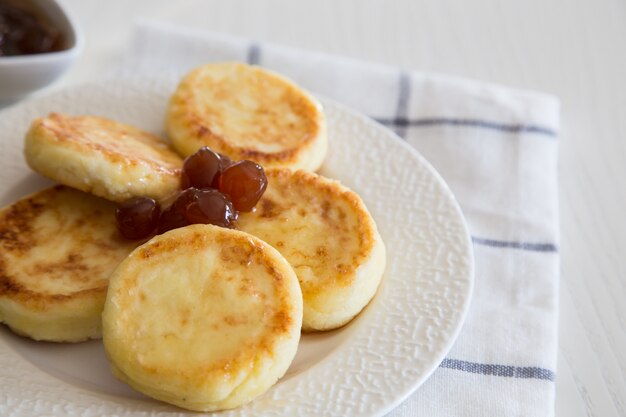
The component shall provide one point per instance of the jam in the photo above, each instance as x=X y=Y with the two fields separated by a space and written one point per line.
x=198 y=206
x=137 y=217
x=24 y=30
x=244 y=182
x=214 y=190
x=200 y=169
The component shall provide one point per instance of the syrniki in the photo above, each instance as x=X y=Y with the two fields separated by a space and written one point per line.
x=330 y=239
x=202 y=317
x=247 y=112
x=57 y=249
x=103 y=157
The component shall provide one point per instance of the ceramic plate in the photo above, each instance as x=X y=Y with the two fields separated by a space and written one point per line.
x=364 y=369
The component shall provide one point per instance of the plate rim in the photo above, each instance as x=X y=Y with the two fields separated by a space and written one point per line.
x=466 y=307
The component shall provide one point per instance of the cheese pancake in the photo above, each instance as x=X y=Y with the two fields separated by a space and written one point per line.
x=57 y=249
x=247 y=112
x=328 y=236
x=202 y=317
x=103 y=157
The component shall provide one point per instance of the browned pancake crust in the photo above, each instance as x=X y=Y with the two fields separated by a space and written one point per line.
x=237 y=252
x=203 y=120
x=106 y=137
x=20 y=237
x=311 y=196
x=103 y=157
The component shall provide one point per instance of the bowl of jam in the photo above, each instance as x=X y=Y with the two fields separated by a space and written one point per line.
x=38 y=42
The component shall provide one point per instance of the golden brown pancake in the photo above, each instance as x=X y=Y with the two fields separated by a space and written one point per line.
x=202 y=317
x=326 y=233
x=103 y=157
x=247 y=112
x=57 y=249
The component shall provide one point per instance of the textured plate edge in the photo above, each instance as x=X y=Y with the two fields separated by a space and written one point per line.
x=471 y=279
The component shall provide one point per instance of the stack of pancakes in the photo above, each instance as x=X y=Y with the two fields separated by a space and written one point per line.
x=202 y=317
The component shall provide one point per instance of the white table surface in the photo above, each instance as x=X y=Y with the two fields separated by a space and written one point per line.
x=574 y=49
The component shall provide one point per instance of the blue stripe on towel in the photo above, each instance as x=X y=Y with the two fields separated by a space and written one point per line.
x=537 y=247
x=254 y=54
x=402 y=107
x=499 y=370
x=403 y=122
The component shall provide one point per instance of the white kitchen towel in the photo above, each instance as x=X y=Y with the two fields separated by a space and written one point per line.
x=497 y=149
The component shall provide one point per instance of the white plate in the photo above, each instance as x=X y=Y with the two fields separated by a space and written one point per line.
x=363 y=369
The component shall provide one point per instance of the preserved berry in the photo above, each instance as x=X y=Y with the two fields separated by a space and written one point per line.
x=200 y=169
x=174 y=216
x=244 y=182
x=138 y=217
x=172 y=219
x=204 y=206
x=211 y=207
x=225 y=162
